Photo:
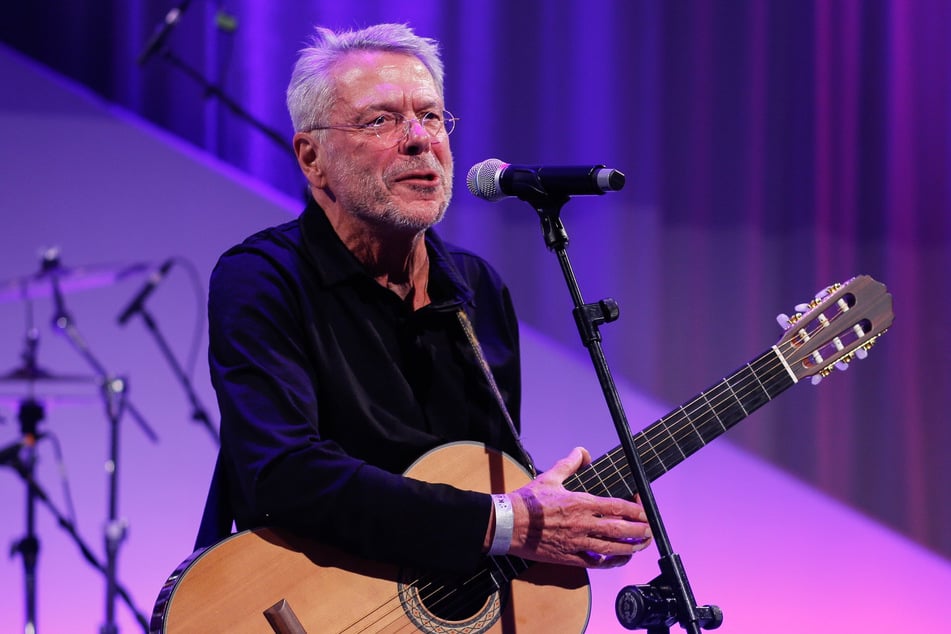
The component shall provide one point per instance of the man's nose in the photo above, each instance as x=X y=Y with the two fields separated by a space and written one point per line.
x=417 y=139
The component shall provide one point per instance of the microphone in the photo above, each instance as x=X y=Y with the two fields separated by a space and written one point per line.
x=161 y=32
x=10 y=455
x=150 y=285
x=16 y=455
x=494 y=180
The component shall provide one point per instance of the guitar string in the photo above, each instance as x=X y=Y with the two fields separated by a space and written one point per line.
x=743 y=388
x=701 y=411
x=684 y=423
x=395 y=610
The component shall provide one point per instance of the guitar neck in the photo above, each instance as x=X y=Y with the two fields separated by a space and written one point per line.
x=668 y=441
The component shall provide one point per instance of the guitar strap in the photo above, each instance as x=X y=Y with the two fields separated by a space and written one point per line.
x=487 y=371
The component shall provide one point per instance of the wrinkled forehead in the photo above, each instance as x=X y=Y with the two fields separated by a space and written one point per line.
x=364 y=79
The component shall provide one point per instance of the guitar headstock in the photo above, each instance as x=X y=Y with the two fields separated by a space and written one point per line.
x=837 y=327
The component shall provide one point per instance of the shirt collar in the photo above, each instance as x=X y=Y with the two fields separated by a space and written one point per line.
x=335 y=264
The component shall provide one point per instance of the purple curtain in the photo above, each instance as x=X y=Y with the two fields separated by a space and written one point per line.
x=771 y=148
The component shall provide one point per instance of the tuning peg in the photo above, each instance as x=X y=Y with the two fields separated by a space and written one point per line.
x=861 y=353
x=821 y=374
x=784 y=321
x=842 y=365
x=802 y=308
x=828 y=290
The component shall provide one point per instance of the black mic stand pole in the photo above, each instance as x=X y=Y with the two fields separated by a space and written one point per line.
x=672 y=581
x=37 y=493
x=30 y=414
x=199 y=414
x=214 y=91
x=114 y=395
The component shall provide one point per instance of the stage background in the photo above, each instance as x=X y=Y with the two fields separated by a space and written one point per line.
x=770 y=147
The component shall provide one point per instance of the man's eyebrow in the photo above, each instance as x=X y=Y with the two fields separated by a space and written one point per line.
x=389 y=106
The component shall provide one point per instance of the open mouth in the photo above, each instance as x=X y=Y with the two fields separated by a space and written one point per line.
x=418 y=177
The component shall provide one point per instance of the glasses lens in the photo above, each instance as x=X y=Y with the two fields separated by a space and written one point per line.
x=448 y=121
x=394 y=128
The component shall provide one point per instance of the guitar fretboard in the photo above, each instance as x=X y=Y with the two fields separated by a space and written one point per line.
x=684 y=431
x=668 y=441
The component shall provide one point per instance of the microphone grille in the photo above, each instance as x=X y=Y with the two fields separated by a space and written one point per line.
x=483 y=179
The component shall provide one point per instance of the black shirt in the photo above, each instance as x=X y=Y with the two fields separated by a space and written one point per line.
x=330 y=386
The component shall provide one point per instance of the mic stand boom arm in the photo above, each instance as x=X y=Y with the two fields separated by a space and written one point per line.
x=199 y=413
x=212 y=90
x=672 y=580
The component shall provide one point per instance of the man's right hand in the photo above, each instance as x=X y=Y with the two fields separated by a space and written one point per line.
x=555 y=525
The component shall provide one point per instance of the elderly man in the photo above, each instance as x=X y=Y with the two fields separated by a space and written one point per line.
x=349 y=342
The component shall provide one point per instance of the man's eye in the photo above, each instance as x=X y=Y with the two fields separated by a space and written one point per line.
x=427 y=117
x=382 y=121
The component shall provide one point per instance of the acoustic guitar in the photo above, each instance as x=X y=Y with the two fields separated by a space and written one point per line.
x=269 y=580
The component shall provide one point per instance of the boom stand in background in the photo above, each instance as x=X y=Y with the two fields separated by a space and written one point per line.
x=199 y=413
x=116 y=403
x=668 y=598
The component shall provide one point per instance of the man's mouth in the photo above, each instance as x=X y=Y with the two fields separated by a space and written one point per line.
x=418 y=177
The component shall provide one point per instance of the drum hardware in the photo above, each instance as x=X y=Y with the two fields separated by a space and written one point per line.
x=54 y=280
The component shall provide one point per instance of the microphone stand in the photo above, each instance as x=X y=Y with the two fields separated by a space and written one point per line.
x=36 y=493
x=114 y=395
x=30 y=414
x=670 y=598
x=199 y=414
x=214 y=91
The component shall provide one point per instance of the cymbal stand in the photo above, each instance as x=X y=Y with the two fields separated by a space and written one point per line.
x=116 y=403
x=23 y=454
x=13 y=456
x=28 y=547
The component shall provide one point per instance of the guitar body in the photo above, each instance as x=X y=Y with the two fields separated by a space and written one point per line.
x=228 y=587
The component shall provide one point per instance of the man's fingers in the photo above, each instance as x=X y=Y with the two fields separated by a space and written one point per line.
x=570 y=464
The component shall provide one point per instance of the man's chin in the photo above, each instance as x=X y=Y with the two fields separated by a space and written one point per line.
x=421 y=214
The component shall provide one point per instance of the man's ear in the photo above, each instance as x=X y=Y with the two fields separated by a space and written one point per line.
x=308 y=158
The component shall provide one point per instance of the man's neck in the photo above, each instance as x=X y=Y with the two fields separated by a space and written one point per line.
x=396 y=259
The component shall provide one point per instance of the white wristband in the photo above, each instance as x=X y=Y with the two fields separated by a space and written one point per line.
x=504 y=525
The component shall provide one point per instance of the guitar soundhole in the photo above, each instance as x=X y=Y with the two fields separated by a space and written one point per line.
x=445 y=605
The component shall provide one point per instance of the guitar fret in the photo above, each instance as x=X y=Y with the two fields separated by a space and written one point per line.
x=758 y=382
x=607 y=491
x=622 y=477
x=703 y=395
x=688 y=441
x=669 y=433
x=642 y=436
x=773 y=381
x=739 y=402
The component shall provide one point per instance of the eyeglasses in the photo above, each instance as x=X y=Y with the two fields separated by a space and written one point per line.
x=392 y=127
